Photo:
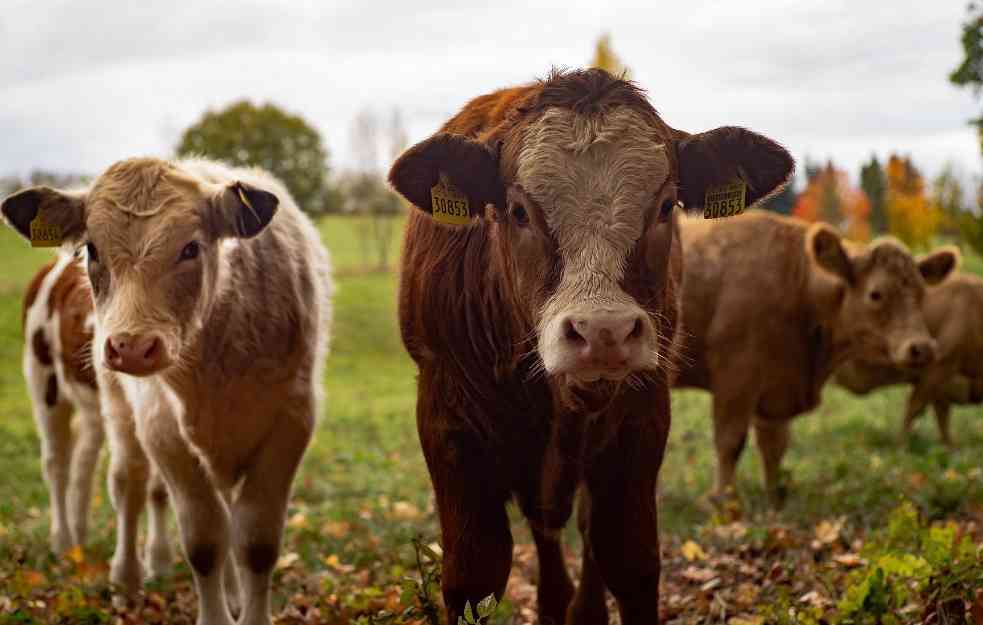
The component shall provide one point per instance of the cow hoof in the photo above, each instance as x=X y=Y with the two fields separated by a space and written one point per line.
x=127 y=574
x=727 y=505
x=158 y=563
x=61 y=542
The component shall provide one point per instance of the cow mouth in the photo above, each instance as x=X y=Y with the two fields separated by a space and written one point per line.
x=592 y=376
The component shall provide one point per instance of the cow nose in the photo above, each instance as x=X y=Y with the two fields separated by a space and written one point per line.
x=920 y=353
x=134 y=354
x=606 y=340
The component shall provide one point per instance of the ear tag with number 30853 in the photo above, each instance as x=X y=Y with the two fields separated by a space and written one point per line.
x=725 y=200
x=44 y=234
x=450 y=205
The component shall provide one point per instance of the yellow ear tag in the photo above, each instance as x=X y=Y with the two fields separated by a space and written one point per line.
x=726 y=200
x=44 y=234
x=450 y=206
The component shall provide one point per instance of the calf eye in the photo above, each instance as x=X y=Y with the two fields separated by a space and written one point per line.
x=190 y=251
x=666 y=209
x=91 y=251
x=876 y=296
x=520 y=215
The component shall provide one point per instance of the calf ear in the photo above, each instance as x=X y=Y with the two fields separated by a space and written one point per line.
x=471 y=167
x=244 y=210
x=63 y=210
x=937 y=266
x=727 y=154
x=825 y=247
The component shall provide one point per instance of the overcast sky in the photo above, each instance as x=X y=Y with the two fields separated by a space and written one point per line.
x=85 y=84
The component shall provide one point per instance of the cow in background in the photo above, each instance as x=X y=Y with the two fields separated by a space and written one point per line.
x=543 y=316
x=211 y=292
x=773 y=305
x=954 y=316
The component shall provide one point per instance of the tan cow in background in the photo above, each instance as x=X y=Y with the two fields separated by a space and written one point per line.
x=211 y=294
x=772 y=305
x=954 y=315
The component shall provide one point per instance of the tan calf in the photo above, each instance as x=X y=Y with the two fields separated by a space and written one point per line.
x=212 y=309
x=58 y=326
x=772 y=305
x=954 y=315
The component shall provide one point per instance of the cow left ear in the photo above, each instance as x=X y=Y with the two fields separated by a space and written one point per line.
x=728 y=154
x=938 y=265
x=64 y=210
x=243 y=210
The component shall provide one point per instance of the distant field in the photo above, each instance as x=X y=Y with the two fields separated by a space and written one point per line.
x=363 y=491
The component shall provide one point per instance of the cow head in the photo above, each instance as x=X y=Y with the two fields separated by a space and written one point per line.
x=578 y=187
x=151 y=236
x=879 y=294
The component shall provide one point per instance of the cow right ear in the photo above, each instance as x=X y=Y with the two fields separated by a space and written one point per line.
x=61 y=211
x=470 y=167
x=826 y=248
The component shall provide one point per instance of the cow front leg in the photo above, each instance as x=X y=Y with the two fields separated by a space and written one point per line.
x=259 y=512
x=943 y=411
x=129 y=472
x=588 y=606
x=83 y=473
x=773 y=439
x=158 y=550
x=913 y=409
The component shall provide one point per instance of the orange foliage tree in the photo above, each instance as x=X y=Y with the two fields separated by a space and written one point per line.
x=830 y=197
x=911 y=215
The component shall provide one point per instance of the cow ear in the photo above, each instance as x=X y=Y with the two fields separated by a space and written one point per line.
x=62 y=210
x=242 y=210
x=469 y=166
x=825 y=247
x=938 y=265
x=728 y=154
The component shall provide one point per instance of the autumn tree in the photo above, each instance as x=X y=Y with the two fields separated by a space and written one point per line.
x=266 y=136
x=606 y=59
x=873 y=184
x=912 y=217
x=830 y=197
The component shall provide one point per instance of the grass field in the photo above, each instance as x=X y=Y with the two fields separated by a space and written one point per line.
x=363 y=492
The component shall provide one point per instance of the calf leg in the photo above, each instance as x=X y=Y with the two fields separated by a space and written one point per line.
x=942 y=412
x=731 y=422
x=83 y=473
x=913 y=409
x=258 y=516
x=54 y=425
x=773 y=439
x=588 y=606
x=129 y=471
x=158 y=553
x=555 y=588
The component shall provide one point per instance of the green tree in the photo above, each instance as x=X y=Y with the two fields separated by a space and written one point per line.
x=947 y=195
x=606 y=59
x=286 y=145
x=784 y=201
x=970 y=70
x=875 y=186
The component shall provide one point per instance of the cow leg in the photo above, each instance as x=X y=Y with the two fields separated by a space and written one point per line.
x=588 y=606
x=773 y=439
x=942 y=412
x=54 y=425
x=555 y=587
x=83 y=472
x=731 y=422
x=129 y=471
x=258 y=516
x=913 y=409
x=158 y=553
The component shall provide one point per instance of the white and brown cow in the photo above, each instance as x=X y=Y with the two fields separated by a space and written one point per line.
x=58 y=319
x=211 y=293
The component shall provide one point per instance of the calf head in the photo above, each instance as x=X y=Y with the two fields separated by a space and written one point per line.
x=578 y=186
x=878 y=302
x=150 y=234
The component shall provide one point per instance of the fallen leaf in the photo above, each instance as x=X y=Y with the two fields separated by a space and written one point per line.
x=696 y=574
x=692 y=551
x=297 y=521
x=405 y=511
x=337 y=529
x=334 y=562
x=827 y=532
x=75 y=554
x=287 y=560
x=849 y=560
x=750 y=620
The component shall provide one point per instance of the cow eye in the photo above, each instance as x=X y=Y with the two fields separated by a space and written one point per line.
x=90 y=249
x=520 y=215
x=190 y=251
x=666 y=209
x=876 y=296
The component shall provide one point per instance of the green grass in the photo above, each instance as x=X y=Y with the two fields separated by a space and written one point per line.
x=363 y=491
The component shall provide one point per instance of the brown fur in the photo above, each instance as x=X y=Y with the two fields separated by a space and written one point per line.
x=766 y=324
x=954 y=316
x=492 y=424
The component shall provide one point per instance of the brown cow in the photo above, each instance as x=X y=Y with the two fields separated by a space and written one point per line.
x=58 y=325
x=954 y=315
x=773 y=305
x=544 y=325
x=211 y=293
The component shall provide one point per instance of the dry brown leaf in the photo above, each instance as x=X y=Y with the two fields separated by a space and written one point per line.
x=697 y=574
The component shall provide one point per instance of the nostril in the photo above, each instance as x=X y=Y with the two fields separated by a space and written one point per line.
x=111 y=351
x=570 y=332
x=152 y=351
x=637 y=329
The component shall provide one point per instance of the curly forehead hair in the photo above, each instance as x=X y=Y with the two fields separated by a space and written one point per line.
x=892 y=256
x=142 y=186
